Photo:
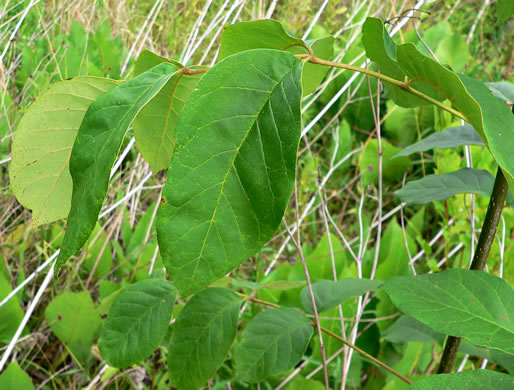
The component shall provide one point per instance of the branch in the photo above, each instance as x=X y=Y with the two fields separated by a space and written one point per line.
x=400 y=84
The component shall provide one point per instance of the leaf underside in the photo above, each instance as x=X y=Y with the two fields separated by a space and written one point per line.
x=234 y=167
x=39 y=171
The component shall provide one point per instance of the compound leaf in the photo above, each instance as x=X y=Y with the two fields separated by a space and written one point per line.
x=272 y=342
x=74 y=320
x=469 y=380
x=474 y=305
x=202 y=336
x=137 y=322
x=96 y=147
x=329 y=293
x=449 y=138
x=233 y=171
x=39 y=171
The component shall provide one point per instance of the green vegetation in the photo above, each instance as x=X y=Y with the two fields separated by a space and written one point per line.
x=195 y=195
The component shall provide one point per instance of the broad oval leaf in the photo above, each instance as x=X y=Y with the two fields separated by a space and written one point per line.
x=202 y=336
x=137 y=322
x=96 y=147
x=75 y=321
x=233 y=171
x=329 y=293
x=469 y=380
x=39 y=171
x=270 y=34
x=435 y=187
x=474 y=305
x=449 y=138
x=272 y=342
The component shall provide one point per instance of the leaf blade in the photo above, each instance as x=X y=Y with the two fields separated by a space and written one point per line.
x=137 y=322
x=206 y=329
x=96 y=147
x=470 y=304
x=272 y=342
x=446 y=139
x=216 y=199
x=470 y=379
x=329 y=293
x=443 y=186
x=42 y=146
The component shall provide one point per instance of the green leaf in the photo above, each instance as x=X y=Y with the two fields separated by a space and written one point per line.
x=258 y=34
x=10 y=313
x=435 y=187
x=314 y=74
x=453 y=50
x=469 y=380
x=202 y=336
x=503 y=90
x=328 y=293
x=137 y=322
x=74 y=320
x=380 y=48
x=154 y=127
x=272 y=342
x=96 y=147
x=393 y=169
x=449 y=138
x=496 y=123
x=233 y=173
x=489 y=116
x=402 y=125
x=474 y=305
x=148 y=60
x=39 y=172
x=270 y=34
x=504 y=10
x=15 y=378
x=408 y=329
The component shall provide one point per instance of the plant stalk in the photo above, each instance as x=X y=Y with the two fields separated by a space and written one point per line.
x=400 y=84
x=485 y=242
